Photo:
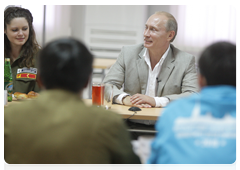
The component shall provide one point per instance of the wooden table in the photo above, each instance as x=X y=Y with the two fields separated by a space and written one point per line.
x=144 y=114
x=103 y=63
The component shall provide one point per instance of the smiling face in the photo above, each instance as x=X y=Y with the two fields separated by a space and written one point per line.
x=155 y=34
x=17 y=31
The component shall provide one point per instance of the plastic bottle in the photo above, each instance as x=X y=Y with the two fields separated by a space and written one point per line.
x=8 y=83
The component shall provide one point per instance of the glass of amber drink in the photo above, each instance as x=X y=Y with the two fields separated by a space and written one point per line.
x=98 y=94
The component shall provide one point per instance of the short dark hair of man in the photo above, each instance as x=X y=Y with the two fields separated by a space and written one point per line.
x=65 y=63
x=217 y=64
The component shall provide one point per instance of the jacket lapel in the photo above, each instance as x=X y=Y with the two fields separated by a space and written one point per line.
x=142 y=68
x=165 y=71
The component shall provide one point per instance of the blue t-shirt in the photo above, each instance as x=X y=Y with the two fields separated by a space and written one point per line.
x=200 y=129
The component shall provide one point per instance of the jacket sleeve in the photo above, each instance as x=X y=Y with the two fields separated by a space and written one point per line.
x=116 y=75
x=36 y=87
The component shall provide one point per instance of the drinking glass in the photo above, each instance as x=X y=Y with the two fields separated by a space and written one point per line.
x=108 y=96
x=97 y=94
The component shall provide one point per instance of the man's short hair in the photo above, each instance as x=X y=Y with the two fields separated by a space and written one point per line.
x=217 y=64
x=171 y=24
x=65 y=63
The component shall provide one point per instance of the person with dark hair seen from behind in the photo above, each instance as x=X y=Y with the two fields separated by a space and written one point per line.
x=20 y=45
x=57 y=127
x=201 y=129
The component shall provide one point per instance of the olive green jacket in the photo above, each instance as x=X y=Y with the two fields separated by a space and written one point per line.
x=57 y=128
x=24 y=79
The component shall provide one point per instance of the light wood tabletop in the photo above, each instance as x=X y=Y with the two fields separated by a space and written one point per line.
x=144 y=114
x=103 y=63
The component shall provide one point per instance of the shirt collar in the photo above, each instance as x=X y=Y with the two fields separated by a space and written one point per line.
x=147 y=57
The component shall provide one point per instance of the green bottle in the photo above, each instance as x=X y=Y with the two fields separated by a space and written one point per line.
x=8 y=83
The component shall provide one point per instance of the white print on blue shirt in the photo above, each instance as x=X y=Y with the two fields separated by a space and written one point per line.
x=208 y=131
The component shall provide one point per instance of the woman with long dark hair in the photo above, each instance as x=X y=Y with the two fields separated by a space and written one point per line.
x=20 y=45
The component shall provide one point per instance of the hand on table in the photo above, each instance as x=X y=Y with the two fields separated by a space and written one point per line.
x=141 y=100
x=143 y=106
x=126 y=101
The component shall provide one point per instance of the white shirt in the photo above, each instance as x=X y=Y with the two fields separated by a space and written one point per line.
x=152 y=81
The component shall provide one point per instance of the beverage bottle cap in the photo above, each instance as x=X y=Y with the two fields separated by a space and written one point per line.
x=7 y=59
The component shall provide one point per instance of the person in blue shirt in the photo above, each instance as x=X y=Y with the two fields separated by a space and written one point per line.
x=201 y=128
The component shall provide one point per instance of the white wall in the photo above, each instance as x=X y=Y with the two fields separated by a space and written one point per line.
x=77 y=21
x=58 y=19
x=108 y=28
x=154 y=8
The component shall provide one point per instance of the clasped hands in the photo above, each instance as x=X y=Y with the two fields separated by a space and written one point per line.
x=139 y=100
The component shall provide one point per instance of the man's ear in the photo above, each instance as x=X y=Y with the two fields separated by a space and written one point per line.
x=202 y=81
x=171 y=35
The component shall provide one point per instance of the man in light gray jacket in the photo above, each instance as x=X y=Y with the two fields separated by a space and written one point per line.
x=153 y=73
